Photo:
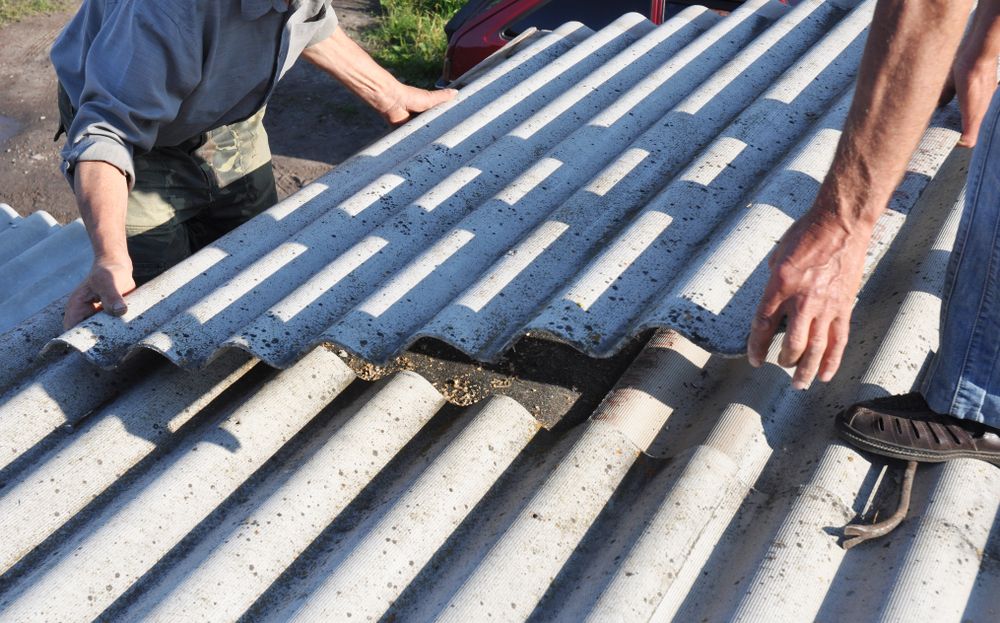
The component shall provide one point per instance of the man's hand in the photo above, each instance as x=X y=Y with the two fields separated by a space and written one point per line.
x=403 y=102
x=816 y=269
x=815 y=275
x=104 y=288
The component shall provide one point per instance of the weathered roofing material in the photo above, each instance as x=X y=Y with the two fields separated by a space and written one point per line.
x=693 y=493
x=701 y=489
x=39 y=261
x=577 y=201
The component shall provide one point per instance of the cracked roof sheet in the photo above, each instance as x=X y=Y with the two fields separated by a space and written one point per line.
x=700 y=489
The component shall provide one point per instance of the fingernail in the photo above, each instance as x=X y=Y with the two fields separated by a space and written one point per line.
x=800 y=385
x=119 y=309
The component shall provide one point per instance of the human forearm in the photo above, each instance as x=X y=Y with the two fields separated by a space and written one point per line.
x=982 y=43
x=347 y=62
x=817 y=266
x=974 y=76
x=102 y=197
x=905 y=64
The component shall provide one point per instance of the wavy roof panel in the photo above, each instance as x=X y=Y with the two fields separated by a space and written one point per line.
x=700 y=489
x=39 y=262
x=589 y=187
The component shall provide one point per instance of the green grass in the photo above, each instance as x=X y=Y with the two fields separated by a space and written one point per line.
x=13 y=10
x=409 y=38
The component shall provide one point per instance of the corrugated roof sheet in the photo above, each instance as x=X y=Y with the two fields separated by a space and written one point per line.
x=701 y=489
x=592 y=186
x=39 y=261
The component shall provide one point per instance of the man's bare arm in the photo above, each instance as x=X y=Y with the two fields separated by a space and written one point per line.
x=346 y=61
x=816 y=269
x=102 y=196
x=974 y=76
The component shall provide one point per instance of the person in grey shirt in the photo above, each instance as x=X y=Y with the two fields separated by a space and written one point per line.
x=162 y=102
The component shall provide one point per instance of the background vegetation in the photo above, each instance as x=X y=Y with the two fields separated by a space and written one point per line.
x=11 y=10
x=409 y=38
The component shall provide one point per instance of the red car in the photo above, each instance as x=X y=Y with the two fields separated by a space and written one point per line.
x=482 y=27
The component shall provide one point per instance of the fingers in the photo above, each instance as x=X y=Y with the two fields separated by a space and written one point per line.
x=972 y=117
x=796 y=338
x=971 y=121
x=814 y=346
x=763 y=326
x=440 y=96
x=397 y=116
x=975 y=89
x=113 y=302
x=805 y=345
x=762 y=329
x=409 y=101
x=81 y=305
x=823 y=353
x=421 y=100
x=103 y=284
x=836 y=343
x=810 y=360
x=104 y=288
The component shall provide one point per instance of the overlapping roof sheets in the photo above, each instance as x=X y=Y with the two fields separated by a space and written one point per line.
x=700 y=489
x=592 y=186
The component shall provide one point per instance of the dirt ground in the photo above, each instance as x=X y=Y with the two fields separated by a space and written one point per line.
x=313 y=122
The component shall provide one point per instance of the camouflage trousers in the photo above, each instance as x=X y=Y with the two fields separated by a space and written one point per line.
x=187 y=195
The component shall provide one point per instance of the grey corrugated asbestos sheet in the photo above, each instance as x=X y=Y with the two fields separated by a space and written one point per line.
x=591 y=186
x=701 y=489
x=39 y=261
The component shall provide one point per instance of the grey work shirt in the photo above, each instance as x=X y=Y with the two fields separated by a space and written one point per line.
x=145 y=73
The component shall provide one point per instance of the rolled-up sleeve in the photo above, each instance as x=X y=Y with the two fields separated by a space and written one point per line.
x=138 y=71
x=326 y=24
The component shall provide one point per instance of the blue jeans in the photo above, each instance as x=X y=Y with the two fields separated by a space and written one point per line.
x=964 y=378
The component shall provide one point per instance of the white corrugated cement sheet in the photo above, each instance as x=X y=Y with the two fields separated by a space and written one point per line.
x=700 y=490
x=592 y=186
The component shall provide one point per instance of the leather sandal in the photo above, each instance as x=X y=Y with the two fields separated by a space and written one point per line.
x=905 y=427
